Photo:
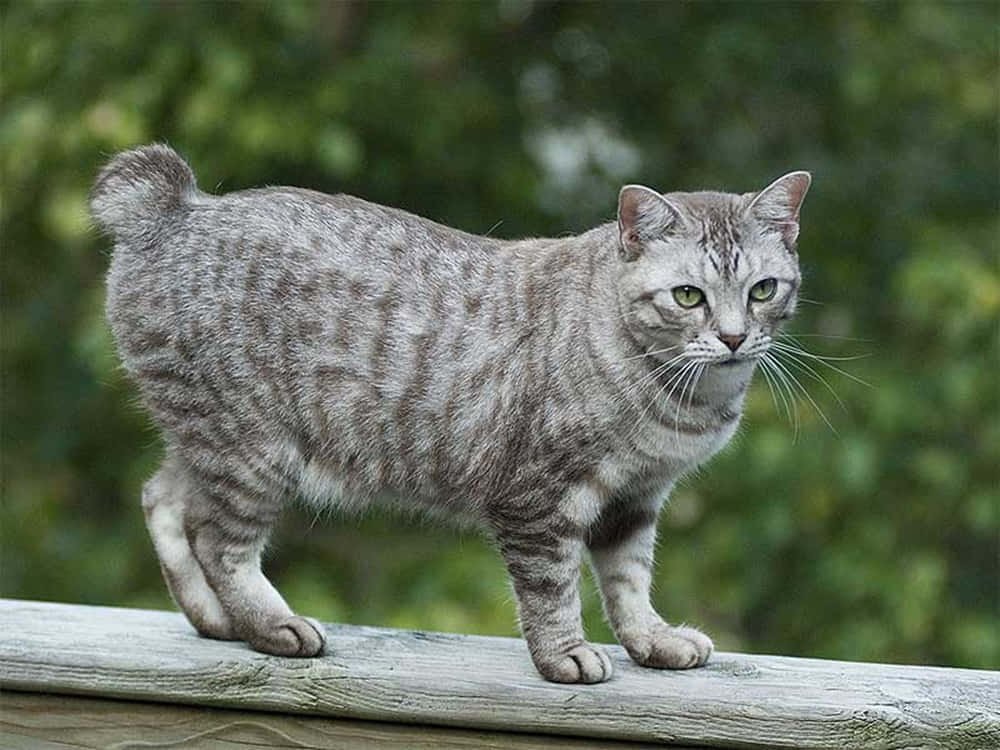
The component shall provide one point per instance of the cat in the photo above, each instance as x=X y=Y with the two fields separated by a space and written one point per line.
x=290 y=343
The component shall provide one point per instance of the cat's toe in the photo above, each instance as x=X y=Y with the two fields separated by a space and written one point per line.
x=581 y=663
x=291 y=636
x=310 y=634
x=702 y=643
x=667 y=647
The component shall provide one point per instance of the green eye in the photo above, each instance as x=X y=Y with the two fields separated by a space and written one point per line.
x=688 y=296
x=762 y=291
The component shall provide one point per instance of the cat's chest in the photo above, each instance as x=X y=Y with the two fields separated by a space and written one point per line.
x=661 y=448
x=692 y=443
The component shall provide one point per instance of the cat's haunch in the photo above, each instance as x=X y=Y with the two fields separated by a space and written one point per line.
x=293 y=344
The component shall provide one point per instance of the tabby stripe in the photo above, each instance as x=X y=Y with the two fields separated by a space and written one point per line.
x=618 y=525
x=551 y=590
x=550 y=553
x=282 y=295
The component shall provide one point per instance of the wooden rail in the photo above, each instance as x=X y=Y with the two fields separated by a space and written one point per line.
x=482 y=685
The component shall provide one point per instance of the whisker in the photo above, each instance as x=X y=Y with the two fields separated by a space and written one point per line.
x=625 y=314
x=767 y=379
x=625 y=394
x=822 y=357
x=796 y=362
x=656 y=372
x=652 y=401
x=823 y=361
x=766 y=360
x=694 y=385
x=680 y=401
x=675 y=378
x=804 y=392
x=782 y=381
x=652 y=353
x=794 y=336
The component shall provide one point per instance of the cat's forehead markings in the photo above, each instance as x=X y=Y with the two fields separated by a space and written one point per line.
x=711 y=267
x=720 y=239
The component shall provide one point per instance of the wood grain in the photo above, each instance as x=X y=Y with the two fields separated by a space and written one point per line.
x=484 y=683
x=30 y=721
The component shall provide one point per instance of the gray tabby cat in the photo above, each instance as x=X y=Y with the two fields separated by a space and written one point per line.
x=291 y=343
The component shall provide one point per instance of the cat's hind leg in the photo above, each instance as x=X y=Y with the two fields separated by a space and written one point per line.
x=165 y=498
x=228 y=533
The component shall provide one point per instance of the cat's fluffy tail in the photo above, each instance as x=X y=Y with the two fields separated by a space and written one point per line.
x=138 y=191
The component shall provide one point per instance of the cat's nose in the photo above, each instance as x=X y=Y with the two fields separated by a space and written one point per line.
x=733 y=341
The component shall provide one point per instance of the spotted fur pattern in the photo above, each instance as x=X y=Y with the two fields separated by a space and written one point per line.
x=291 y=343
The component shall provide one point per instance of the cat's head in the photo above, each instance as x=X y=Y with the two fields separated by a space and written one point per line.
x=708 y=277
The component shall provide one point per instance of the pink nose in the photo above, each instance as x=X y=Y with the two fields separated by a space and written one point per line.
x=733 y=342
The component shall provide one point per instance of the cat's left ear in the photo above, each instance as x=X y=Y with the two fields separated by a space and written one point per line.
x=779 y=203
x=643 y=215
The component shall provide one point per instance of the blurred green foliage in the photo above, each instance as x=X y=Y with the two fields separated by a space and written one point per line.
x=879 y=542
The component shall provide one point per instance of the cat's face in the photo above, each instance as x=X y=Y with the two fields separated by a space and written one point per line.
x=708 y=277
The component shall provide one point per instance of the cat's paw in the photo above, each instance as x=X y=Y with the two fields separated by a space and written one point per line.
x=290 y=636
x=666 y=647
x=580 y=663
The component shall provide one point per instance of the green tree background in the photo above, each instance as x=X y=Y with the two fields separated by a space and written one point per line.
x=878 y=542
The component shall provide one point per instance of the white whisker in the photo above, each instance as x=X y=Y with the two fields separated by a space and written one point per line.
x=803 y=366
x=680 y=400
x=657 y=371
x=796 y=336
x=769 y=367
x=767 y=379
x=694 y=384
x=795 y=381
x=652 y=353
x=675 y=378
x=783 y=384
x=820 y=357
x=825 y=361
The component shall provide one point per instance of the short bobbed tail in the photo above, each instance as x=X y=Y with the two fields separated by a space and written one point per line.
x=138 y=191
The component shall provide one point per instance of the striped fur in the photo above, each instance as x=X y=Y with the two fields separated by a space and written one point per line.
x=291 y=343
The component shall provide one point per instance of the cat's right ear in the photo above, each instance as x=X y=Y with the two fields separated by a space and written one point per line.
x=643 y=215
x=778 y=205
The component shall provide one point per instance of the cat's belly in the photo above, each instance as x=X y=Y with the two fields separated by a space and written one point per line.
x=325 y=483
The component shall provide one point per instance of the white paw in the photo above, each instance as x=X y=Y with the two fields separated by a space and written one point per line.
x=290 y=636
x=665 y=647
x=580 y=663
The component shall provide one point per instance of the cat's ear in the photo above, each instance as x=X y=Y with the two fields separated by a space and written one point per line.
x=779 y=203
x=643 y=215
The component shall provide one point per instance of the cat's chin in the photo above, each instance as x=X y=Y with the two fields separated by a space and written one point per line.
x=734 y=362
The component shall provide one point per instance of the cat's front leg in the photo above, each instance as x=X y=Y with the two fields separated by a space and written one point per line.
x=543 y=558
x=621 y=550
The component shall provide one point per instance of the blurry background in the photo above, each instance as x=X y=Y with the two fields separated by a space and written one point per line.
x=880 y=542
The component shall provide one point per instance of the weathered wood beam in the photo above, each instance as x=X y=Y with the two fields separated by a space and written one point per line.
x=489 y=684
x=41 y=721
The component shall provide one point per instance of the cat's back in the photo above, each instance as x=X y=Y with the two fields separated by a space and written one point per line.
x=188 y=261
x=164 y=225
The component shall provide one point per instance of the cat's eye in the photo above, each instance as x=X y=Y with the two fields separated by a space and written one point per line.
x=688 y=296
x=764 y=290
